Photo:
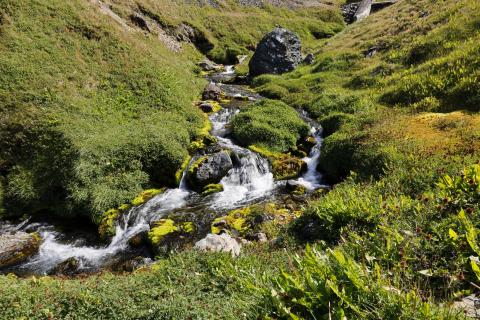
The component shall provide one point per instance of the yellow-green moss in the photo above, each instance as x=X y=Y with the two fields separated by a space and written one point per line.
x=106 y=226
x=106 y=229
x=162 y=228
x=196 y=164
x=216 y=106
x=145 y=196
x=204 y=138
x=188 y=227
x=183 y=167
x=166 y=227
x=235 y=220
x=212 y=188
x=284 y=165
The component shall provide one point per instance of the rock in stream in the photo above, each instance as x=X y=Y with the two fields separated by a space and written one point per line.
x=17 y=247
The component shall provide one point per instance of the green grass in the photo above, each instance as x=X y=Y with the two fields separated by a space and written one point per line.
x=190 y=285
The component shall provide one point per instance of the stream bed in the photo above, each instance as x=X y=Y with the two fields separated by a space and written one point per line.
x=249 y=181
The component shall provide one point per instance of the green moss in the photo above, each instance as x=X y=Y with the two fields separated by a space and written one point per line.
x=168 y=228
x=235 y=220
x=181 y=170
x=203 y=137
x=106 y=228
x=145 y=196
x=161 y=229
x=284 y=165
x=188 y=227
x=272 y=125
x=107 y=221
x=194 y=166
x=212 y=188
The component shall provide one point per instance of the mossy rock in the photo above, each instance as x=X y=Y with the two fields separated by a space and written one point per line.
x=212 y=188
x=268 y=218
x=181 y=170
x=107 y=224
x=145 y=196
x=284 y=165
x=161 y=229
x=106 y=229
x=235 y=220
x=209 y=169
x=203 y=137
x=167 y=232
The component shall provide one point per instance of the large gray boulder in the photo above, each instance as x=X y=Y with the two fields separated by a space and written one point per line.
x=209 y=169
x=219 y=243
x=17 y=247
x=363 y=11
x=278 y=52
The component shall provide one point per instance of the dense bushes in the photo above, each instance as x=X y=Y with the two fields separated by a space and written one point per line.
x=332 y=285
x=269 y=124
x=425 y=239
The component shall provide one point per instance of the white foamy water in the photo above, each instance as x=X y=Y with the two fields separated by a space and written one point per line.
x=54 y=251
x=312 y=179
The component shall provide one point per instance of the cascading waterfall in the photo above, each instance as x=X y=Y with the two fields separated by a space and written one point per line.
x=249 y=181
x=312 y=178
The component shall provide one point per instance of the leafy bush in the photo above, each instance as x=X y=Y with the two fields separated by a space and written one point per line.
x=331 y=285
x=269 y=124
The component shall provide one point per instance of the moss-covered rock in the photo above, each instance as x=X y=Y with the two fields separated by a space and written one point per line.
x=212 y=188
x=209 y=169
x=107 y=222
x=106 y=229
x=181 y=170
x=161 y=229
x=203 y=137
x=145 y=196
x=284 y=165
x=166 y=233
x=267 y=218
x=236 y=220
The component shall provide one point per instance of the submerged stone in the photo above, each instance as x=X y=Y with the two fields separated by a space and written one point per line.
x=68 y=267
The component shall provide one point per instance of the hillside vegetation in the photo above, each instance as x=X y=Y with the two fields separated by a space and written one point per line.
x=397 y=94
x=95 y=108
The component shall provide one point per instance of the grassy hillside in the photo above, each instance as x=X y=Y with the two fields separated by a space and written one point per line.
x=396 y=237
x=95 y=108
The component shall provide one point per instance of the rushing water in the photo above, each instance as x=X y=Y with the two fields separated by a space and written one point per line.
x=250 y=180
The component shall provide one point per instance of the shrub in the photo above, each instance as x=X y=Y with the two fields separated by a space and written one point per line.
x=347 y=207
x=332 y=285
x=343 y=152
x=269 y=124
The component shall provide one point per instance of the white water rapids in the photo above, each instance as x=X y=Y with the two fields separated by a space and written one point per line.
x=248 y=181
